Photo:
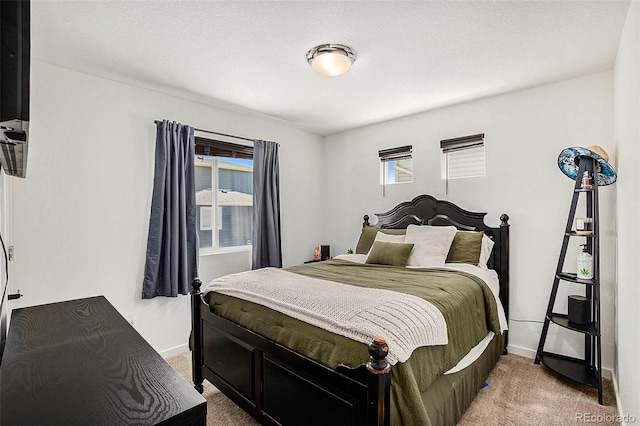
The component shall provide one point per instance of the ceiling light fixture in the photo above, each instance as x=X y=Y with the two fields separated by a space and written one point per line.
x=331 y=60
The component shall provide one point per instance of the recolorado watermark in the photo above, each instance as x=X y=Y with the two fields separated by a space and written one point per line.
x=604 y=418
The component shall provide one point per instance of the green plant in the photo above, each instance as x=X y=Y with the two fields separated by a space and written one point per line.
x=350 y=251
x=584 y=272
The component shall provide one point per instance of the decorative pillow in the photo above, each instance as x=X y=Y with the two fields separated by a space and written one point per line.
x=485 y=252
x=388 y=238
x=368 y=235
x=432 y=244
x=384 y=253
x=466 y=248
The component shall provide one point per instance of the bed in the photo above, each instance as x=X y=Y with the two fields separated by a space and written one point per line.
x=283 y=370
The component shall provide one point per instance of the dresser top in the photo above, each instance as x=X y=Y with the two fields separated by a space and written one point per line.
x=80 y=362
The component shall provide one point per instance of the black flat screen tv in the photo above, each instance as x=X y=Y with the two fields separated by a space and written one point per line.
x=15 y=57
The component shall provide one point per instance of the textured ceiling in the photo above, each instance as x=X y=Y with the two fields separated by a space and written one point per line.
x=250 y=55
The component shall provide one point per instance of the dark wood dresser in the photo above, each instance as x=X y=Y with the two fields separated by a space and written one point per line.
x=81 y=363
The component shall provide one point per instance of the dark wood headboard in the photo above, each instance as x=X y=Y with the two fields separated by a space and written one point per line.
x=426 y=210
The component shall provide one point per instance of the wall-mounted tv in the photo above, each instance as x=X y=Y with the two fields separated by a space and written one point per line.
x=15 y=52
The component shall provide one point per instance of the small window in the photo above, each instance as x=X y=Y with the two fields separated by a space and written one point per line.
x=463 y=157
x=224 y=193
x=396 y=165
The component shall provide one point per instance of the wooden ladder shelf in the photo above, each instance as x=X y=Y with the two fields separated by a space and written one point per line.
x=586 y=370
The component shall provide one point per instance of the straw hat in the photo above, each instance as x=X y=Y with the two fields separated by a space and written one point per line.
x=570 y=157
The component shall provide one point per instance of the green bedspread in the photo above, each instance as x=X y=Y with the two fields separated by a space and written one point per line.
x=466 y=302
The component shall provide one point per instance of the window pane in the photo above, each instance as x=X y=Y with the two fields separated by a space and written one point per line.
x=204 y=200
x=227 y=217
x=397 y=171
x=403 y=170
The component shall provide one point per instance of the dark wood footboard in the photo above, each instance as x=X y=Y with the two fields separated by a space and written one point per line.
x=278 y=386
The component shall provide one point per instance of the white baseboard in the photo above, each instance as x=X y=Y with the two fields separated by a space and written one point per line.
x=175 y=351
x=615 y=390
x=518 y=350
x=623 y=415
x=607 y=373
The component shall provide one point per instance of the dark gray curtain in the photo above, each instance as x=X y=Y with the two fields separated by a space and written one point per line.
x=266 y=206
x=172 y=246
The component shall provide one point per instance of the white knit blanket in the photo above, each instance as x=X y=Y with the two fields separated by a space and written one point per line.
x=406 y=322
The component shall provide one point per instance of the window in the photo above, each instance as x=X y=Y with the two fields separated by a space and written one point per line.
x=463 y=157
x=224 y=193
x=396 y=165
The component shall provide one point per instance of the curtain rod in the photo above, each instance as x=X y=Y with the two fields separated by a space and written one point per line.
x=216 y=133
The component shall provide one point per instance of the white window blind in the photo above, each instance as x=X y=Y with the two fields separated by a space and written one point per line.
x=463 y=157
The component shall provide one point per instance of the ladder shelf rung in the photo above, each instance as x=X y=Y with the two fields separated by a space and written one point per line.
x=562 y=320
x=575 y=234
x=571 y=368
x=572 y=277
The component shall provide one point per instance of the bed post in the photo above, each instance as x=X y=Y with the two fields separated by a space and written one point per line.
x=376 y=376
x=196 y=336
x=378 y=383
x=504 y=270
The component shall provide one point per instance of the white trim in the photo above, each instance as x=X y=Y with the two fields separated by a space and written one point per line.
x=621 y=413
x=518 y=350
x=216 y=220
x=616 y=391
x=177 y=350
x=208 y=251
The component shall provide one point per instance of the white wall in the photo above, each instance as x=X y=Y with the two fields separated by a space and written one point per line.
x=5 y=233
x=81 y=216
x=627 y=136
x=524 y=133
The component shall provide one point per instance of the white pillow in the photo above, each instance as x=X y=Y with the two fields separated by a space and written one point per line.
x=431 y=244
x=485 y=251
x=387 y=238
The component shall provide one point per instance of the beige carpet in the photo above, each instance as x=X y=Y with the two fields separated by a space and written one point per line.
x=519 y=393
x=522 y=393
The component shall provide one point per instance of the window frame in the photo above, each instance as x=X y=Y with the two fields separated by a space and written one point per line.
x=450 y=147
x=393 y=155
x=217 y=149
